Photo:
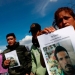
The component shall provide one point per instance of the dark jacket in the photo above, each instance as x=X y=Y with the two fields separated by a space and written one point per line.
x=24 y=58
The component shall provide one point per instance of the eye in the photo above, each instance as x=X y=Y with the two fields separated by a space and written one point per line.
x=67 y=57
x=61 y=59
x=9 y=39
x=66 y=17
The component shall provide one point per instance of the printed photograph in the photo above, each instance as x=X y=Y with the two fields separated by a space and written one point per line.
x=14 y=61
x=60 y=58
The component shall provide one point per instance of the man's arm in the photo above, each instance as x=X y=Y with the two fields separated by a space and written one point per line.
x=27 y=60
x=33 y=70
x=42 y=60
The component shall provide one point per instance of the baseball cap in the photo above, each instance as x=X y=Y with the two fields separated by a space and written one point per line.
x=34 y=28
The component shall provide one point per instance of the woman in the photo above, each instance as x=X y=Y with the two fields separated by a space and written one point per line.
x=64 y=17
x=2 y=70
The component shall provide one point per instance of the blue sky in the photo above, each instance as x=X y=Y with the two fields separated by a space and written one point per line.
x=17 y=16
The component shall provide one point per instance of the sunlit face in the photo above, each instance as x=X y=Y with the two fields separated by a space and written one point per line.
x=65 y=19
x=64 y=61
x=11 y=40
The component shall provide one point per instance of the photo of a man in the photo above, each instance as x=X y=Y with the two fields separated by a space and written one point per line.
x=63 y=59
x=13 y=62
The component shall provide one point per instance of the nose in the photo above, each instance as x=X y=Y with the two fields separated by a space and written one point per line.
x=64 y=21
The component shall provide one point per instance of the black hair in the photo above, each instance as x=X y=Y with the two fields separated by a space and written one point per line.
x=35 y=27
x=11 y=34
x=59 y=49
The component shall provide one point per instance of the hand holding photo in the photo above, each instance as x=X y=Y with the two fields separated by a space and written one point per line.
x=12 y=56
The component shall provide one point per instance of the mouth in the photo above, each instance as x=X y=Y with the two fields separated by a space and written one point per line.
x=69 y=68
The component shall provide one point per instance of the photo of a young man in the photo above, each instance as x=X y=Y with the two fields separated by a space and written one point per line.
x=63 y=59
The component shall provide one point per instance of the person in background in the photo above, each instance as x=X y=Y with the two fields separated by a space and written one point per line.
x=23 y=56
x=37 y=68
x=2 y=70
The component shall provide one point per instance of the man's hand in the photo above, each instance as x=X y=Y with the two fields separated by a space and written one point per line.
x=6 y=62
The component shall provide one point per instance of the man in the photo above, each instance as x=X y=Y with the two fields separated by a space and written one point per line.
x=37 y=68
x=23 y=56
x=63 y=59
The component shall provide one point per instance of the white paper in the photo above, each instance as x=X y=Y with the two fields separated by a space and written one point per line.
x=14 y=59
x=64 y=37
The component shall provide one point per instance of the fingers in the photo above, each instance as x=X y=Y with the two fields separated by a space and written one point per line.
x=51 y=29
x=48 y=30
x=6 y=62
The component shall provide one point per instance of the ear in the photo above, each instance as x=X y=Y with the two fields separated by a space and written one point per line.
x=15 y=39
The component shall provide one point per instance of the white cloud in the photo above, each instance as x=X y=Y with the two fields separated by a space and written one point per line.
x=2 y=47
x=1 y=51
x=41 y=6
x=27 y=41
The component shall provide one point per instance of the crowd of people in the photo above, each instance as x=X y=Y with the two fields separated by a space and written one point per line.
x=33 y=63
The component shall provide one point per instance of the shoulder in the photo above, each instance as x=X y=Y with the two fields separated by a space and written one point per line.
x=33 y=47
x=17 y=44
x=22 y=46
x=6 y=51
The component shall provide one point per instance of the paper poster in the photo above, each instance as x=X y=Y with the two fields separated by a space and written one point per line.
x=58 y=49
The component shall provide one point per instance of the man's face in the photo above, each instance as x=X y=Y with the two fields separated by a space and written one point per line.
x=65 y=19
x=64 y=61
x=11 y=40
